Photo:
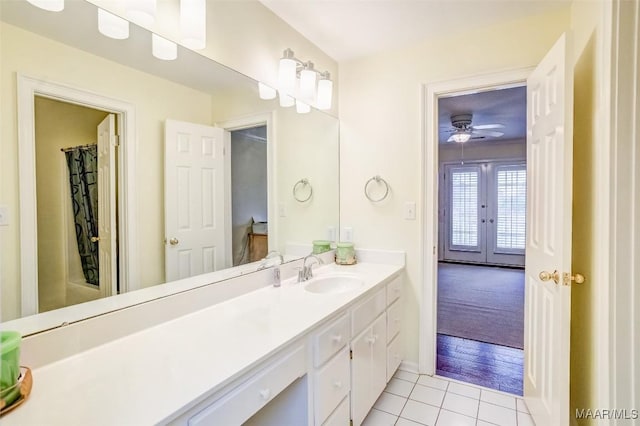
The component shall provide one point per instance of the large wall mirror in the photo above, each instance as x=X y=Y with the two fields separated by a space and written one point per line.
x=120 y=171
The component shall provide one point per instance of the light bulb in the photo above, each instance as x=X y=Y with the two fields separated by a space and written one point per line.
x=50 y=5
x=302 y=108
x=308 y=83
x=142 y=12
x=287 y=73
x=193 y=23
x=112 y=26
x=325 y=94
x=266 y=92
x=461 y=137
x=286 y=100
x=163 y=49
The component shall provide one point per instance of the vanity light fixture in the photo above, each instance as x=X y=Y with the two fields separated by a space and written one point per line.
x=301 y=107
x=314 y=87
x=461 y=136
x=50 y=5
x=266 y=92
x=286 y=101
x=162 y=48
x=193 y=23
x=112 y=26
x=141 y=12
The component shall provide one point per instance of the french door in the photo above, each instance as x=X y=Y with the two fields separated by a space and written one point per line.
x=485 y=211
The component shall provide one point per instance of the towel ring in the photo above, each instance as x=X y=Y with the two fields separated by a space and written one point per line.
x=376 y=179
x=303 y=182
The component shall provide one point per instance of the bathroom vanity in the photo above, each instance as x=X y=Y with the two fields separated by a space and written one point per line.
x=318 y=353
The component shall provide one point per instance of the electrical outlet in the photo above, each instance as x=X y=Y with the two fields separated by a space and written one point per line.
x=4 y=216
x=282 y=210
x=410 y=210
x=331 y=233
x=348 y=234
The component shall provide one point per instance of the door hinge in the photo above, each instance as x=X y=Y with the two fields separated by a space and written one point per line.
x=350 y=422
x=350 y=354
x=116 y=140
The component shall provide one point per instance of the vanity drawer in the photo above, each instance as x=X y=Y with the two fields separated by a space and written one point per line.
x=330 y=340
x=393 y=357
x=364 y=313
x=341 y=416
x=332 y=384
x=244 y=401
x=394 y=313
x=394 y=289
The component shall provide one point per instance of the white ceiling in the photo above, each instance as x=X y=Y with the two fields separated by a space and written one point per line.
x=347 y=29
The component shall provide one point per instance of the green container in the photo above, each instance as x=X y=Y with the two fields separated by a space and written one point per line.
x=321 y=246
x=9 y=359
x=345 y=254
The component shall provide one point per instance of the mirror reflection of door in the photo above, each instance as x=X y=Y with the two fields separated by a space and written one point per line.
x=76 y=199
x=249 y=194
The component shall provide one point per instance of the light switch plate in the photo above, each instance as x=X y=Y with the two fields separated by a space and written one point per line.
x=331 y=233
x=282 y=210
x=4 y=216
x=410 y=210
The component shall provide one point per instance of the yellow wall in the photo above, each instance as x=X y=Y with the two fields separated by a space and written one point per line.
x=58 y=125
x=155 y=100
x=380 y=130
x=585 y=341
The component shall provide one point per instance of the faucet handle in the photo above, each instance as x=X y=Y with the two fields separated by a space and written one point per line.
x=276 y=277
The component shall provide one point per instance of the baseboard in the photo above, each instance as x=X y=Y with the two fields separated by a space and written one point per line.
x=411 y=367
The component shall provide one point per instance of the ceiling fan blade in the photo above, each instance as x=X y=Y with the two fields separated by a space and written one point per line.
x=450 y=139
x=487 y=133
x=489 y=126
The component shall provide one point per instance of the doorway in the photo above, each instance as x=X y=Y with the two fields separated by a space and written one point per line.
x=71 y=195
x=481 y=249
x=249 y=194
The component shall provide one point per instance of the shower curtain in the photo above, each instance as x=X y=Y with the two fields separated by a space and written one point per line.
x=83 y=180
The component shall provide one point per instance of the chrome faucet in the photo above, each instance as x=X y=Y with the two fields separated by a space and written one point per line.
x=276 y=269
x=306 y=272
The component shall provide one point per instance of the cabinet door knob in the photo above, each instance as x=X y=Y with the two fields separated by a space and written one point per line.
x=337 y=338
x=337 y=384
x=370 y=340
x=265 y=393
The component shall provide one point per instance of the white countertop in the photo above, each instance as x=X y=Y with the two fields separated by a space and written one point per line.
x=146 y=377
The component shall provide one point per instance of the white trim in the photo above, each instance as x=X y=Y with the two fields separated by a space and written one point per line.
x=240 y=123
x=429 y=187
x=27 y=89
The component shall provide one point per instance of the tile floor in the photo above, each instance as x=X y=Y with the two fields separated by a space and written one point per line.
x=413 y=400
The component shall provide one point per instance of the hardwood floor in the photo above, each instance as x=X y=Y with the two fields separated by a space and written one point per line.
x=484 y=364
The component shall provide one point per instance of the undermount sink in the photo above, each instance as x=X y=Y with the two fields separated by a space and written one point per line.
x=334 y=284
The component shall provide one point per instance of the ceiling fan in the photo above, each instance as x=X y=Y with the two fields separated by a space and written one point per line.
x=463 y=130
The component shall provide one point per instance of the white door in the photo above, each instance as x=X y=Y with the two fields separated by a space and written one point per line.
x=107 y=231
x=194 y=199
x=549 y=176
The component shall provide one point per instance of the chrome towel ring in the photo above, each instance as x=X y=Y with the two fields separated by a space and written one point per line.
x=300 y=185
x=377 y=179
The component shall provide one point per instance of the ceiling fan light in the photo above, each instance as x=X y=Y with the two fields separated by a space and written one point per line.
x=50 y=5
x=461 y=137
x=163 y=49
x=193 y=23
x=112 y=26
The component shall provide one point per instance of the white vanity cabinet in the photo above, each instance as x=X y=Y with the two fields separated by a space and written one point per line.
x=394 y=319
x=369 y=354
x=331 y=382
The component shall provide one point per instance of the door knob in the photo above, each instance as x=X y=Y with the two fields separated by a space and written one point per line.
x=567 y=278
x=95 y=239
x=548 y=276
x=173 y=241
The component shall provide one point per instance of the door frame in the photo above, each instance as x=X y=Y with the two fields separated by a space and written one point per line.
x=429 y=182
x=246 y=122
x=27 y=88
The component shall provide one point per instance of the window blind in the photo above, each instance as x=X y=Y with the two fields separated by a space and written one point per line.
x=512 y=210
x=464 y=206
